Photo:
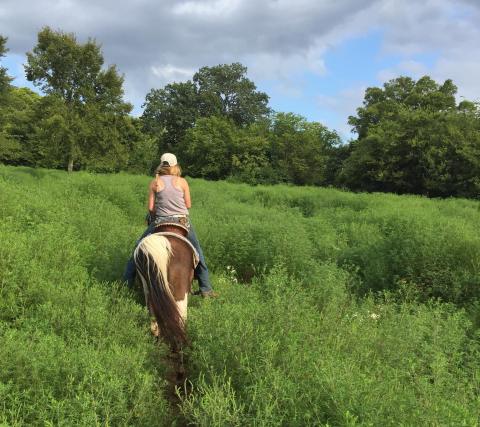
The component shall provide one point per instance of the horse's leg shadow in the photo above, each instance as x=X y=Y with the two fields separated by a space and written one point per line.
x=182 y=385
x=179 y=362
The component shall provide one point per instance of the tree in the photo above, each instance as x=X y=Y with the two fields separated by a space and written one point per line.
x=169 y=112
x=413 y=138
x=217 y=149
x=4 y=78
x=224 y=90
x=72 y=72
x=143 y=156
x=19 y=124
x=208 y=148
x=300 y=150
x=54 y=135
x=289 y=149
x=8 y=146
x=402 y=93
x=250 y=162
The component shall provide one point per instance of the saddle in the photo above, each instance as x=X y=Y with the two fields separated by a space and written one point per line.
x=178 y=231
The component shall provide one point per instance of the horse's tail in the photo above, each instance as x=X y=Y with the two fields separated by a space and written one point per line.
x=152 y=257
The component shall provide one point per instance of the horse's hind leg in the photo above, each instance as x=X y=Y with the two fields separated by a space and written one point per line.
x=178 y=362
x=154 y=328
x=178 y=345
x=182 y=307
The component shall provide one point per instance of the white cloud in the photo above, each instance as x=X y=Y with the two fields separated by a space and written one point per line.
x=413 y=68
x=156 y=42
x=446 y=29
x=464 y=73
x=170 y=73
x=410 y=67
x=142 y=34
x=344 y=104
x=216 y=8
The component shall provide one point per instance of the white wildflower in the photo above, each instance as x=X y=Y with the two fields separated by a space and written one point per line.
x=232 y=273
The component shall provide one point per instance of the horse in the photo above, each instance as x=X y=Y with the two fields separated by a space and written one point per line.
x=165 y=263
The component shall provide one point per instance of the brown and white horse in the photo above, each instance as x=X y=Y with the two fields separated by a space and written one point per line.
x=165 y=262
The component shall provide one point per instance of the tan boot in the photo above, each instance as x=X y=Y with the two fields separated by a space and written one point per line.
x=209 y=294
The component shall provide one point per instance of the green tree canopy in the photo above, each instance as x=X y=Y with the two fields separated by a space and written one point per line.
x=19 y=126
x=217 y=149
x=414 y=138
x=208 y=148
x=169 y=112
x=73 y=72
x=4 y=78
x=402 y=93
x=289 y=149
x=8 y=145
x=300 y=150
x=223 y=91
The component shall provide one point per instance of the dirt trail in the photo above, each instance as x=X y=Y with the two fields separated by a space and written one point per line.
x=178 y=386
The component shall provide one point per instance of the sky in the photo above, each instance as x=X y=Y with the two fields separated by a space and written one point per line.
x=312 y=57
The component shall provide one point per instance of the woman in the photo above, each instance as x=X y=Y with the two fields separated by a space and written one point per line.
x=169 y=201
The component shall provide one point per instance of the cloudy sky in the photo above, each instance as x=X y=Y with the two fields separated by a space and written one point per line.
x=313 y=57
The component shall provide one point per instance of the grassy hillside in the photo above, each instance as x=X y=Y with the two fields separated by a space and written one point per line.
x=335 y=308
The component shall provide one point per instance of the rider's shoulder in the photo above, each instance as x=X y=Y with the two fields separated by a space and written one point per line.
x=154 y=184
x=182 y=180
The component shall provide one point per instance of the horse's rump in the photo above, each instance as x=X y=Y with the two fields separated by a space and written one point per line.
x=165 y=269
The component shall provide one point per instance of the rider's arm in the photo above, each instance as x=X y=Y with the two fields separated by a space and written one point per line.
x=151 y=197
x=186 y=193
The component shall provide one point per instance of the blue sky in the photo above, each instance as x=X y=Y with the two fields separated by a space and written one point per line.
x=314 y=58
x=354 y=63
x=350 y=67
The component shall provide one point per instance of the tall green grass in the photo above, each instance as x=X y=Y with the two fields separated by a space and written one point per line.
x=75 y=349
x=292 y=357
x=432 y=245
x=335 y=308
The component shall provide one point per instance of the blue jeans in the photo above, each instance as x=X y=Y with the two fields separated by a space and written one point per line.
x=200 y=273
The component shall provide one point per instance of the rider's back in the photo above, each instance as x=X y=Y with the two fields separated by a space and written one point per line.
x=169 y=200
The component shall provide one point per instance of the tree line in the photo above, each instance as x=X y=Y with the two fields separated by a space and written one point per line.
x=412 y=136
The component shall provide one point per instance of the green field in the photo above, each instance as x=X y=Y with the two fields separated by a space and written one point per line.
x=336 y=308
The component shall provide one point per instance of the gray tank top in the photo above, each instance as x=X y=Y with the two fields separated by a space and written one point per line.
x=170 y=200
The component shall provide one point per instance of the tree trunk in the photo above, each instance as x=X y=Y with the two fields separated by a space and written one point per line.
x=70 y=164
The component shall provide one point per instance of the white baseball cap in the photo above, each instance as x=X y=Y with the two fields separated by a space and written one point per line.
x=168 y=159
